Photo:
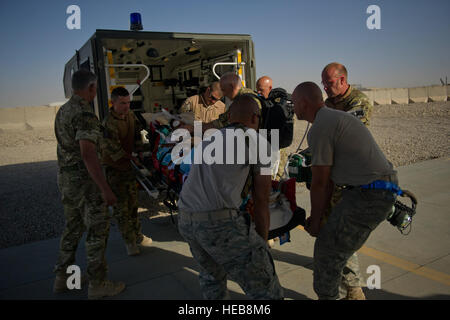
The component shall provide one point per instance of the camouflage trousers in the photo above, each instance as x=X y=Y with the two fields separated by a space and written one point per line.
x=123 y=184
x=84 y=210
x=351 y=275
x=230 y=247
x=347 y=229
x=283 y=158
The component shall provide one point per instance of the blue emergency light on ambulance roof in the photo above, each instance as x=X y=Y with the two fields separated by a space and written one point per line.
x=135 y=21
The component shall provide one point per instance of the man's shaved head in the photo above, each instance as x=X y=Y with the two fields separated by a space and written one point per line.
x=309 y=91
x=307 y=98
x=264 y=86
x=230 y=83
x=245 y=110
x=230 y=78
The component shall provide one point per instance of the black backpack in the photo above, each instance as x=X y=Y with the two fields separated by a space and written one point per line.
x=278 y=113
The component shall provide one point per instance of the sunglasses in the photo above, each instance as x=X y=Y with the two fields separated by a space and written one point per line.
x=213 y=98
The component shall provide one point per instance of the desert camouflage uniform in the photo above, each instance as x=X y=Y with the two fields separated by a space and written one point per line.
x=84 y=209
x=120 y=136
x=284 y=154
x=247 y=260
x=230 y=246
x=358 y=213
x=352 y=100
x=123 y=184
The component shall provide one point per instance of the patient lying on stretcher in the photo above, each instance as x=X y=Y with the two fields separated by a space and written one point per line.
x=284 y=212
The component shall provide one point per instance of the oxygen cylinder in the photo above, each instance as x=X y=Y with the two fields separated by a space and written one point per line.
x=299 y=168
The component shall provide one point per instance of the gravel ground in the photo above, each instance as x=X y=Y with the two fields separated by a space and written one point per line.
x=30 y=207
x=412 y=133
x=406 y=133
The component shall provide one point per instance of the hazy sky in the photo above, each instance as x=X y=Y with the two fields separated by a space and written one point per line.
x=293 y=40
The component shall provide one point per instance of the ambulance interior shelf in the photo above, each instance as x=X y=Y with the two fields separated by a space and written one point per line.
x=176 y=69
x=139 y=82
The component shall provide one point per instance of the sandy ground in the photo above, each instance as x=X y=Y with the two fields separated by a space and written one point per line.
x=30 y=207
x=405 y=133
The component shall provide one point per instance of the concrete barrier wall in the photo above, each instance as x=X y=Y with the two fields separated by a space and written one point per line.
x=438 y=93
x=40 y=117
x=408 y=95
x=399 y=96
x=44 y=116
x=27 y=118
x=419 y=94
x=382 y=97
x=12 y=118
x=370 y=95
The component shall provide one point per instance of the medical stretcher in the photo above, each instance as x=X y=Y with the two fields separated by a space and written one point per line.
x=159 y=176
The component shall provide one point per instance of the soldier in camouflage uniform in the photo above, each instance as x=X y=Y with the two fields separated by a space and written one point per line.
x=121 y=138
x=342 y=96
x=82 y=186
x=336 y=161
x=222 y=239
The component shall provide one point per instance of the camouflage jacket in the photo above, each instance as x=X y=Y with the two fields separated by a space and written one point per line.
x=222 y=122
x=121 y=138
x=75 y=121
x=352 y=100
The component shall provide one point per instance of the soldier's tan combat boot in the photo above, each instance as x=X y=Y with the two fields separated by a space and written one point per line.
x=355 y=293
x=106 y=288
x=146 y=241
x=132 y=249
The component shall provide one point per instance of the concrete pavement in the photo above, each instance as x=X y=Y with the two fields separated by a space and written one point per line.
x=416 y=266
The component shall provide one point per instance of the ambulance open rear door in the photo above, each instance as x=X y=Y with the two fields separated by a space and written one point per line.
x=113 y=82
x=239 y=66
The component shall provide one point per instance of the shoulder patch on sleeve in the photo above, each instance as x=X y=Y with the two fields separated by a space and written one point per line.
x=355 y=103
